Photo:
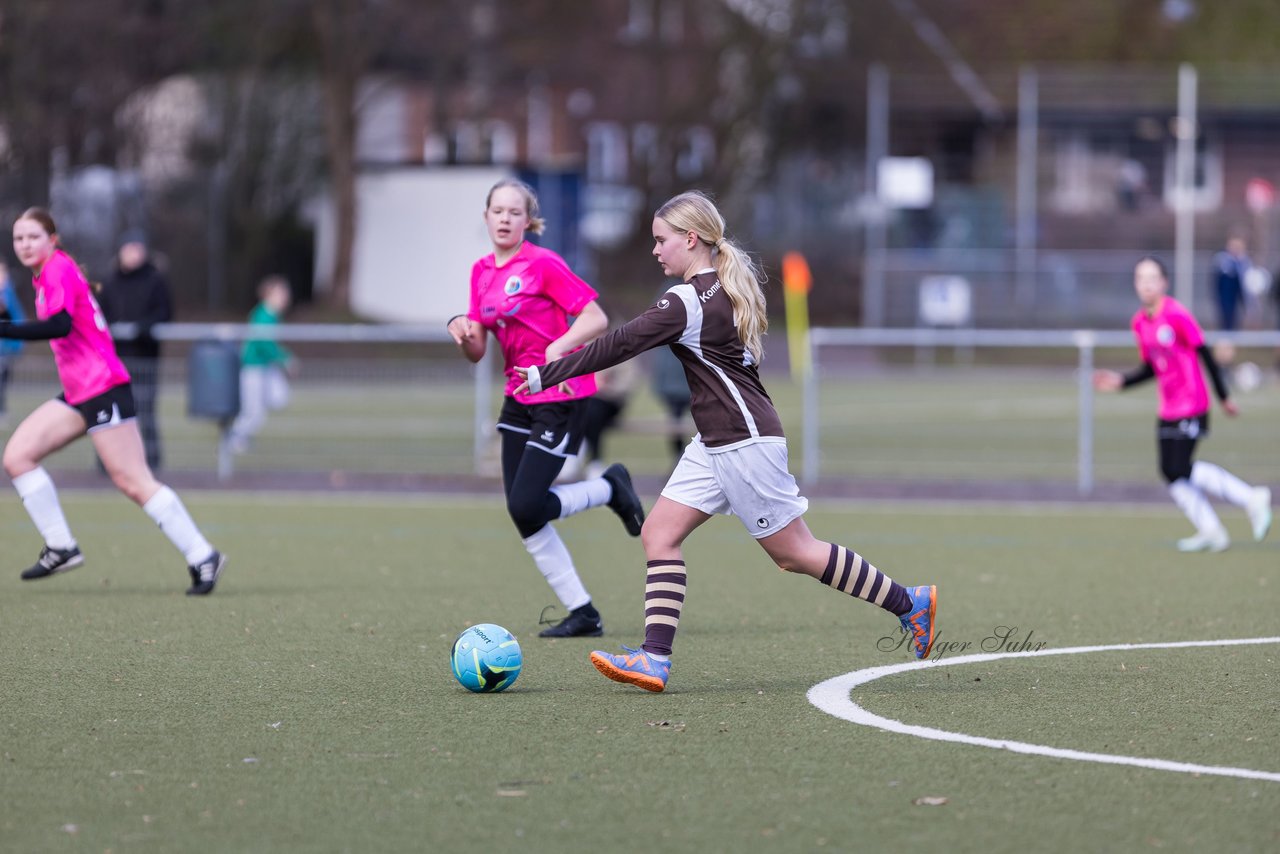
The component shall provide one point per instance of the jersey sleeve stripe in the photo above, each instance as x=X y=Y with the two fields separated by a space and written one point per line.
x=692 y=339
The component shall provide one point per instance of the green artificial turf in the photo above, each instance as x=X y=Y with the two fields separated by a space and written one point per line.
x=308 y=704
x=967 y=424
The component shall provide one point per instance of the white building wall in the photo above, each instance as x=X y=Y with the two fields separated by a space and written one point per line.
x=419 y=231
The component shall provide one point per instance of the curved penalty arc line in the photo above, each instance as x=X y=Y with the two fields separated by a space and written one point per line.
x=833 y=697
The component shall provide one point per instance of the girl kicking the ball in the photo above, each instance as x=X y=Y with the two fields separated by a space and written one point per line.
x=98 y=400
x=737 y=464
x=1172 y=347
x=526 y=296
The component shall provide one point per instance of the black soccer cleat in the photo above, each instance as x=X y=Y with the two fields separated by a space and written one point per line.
x=576 y=625
x=624 y=501
x=204 y=576
x=53 y=561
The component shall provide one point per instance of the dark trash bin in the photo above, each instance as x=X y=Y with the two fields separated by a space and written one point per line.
x=213 y=380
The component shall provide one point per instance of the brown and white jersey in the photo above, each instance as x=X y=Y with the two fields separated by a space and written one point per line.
x=727 y=400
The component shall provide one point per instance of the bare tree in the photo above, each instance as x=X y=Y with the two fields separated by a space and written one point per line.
x=58 y=96
x=344 y=51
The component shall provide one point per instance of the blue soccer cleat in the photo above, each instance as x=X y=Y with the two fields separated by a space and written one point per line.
x=918 y=622
x=635 y=667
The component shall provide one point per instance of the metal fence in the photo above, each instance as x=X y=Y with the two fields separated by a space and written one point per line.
x=366 y=399
x=397 y=404
x=375 y=404
x=1026 y=413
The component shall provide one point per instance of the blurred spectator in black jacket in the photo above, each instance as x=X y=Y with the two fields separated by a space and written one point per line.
x=1229 y=269
x=134 y=299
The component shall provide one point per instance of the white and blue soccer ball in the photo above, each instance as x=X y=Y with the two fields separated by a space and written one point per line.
x=486 y=658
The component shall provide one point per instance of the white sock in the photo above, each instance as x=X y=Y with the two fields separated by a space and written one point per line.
x=1191 y=501
x=1221 y=483
x=553 y=561
x=40 y=497
x=583 y=495
x=166 y=508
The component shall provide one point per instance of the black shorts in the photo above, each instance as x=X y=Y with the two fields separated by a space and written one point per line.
x=1184 y=429
x=554 y=427
x=109 y=409
x=1177 y=441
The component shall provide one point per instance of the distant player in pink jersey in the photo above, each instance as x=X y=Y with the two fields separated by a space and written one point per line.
x=1172 y=348
x=96 y=399
x=526 y=296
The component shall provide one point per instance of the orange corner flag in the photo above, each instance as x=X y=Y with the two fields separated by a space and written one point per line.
x=796 y=282
x=796 y=278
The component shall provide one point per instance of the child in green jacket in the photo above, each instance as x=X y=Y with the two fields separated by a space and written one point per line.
x=265 y=366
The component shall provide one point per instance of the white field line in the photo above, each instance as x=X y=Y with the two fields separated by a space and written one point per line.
x=832 y=697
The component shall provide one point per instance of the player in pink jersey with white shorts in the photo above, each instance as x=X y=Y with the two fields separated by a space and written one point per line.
x=526 y=295
x=1172 y=347
x=96 y=399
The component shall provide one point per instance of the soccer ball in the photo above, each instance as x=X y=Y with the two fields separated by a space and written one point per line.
x=486 y=658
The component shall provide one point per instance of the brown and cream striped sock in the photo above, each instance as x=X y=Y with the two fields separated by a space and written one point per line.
x=849 y=572
x=663 y=602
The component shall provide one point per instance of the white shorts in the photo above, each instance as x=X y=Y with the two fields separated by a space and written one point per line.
x=751 y=482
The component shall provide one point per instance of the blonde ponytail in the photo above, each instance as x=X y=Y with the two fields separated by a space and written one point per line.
x=741 y=280
x=739 y=275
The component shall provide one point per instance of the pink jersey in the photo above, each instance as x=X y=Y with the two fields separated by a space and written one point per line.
x=1168 y=341
x=86 y=359
x=526 y=303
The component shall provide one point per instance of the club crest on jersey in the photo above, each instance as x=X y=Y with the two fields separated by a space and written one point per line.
x=512 y=286
x=1164 y=334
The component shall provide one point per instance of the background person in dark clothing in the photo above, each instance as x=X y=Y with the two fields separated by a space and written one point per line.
x=671 y=387
x=137 y=294
x=11 y=310
x=1229 y=267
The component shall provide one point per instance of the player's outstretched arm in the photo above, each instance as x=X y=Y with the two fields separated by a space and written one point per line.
x=523 y=373
x=1219 y=382
x=1107 y=380
x=590 y=324
x=57 y=326
x=470 y=336
x=1116 y=381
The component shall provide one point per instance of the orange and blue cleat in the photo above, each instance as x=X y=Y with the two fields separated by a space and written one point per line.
x=635 y=667
x=918 y=622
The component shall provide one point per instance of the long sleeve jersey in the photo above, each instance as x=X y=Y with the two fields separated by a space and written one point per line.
x=729 y=404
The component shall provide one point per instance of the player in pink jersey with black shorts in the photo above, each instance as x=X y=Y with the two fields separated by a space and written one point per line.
x=526 y=295
x=96 y=399
x=1172 y=347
